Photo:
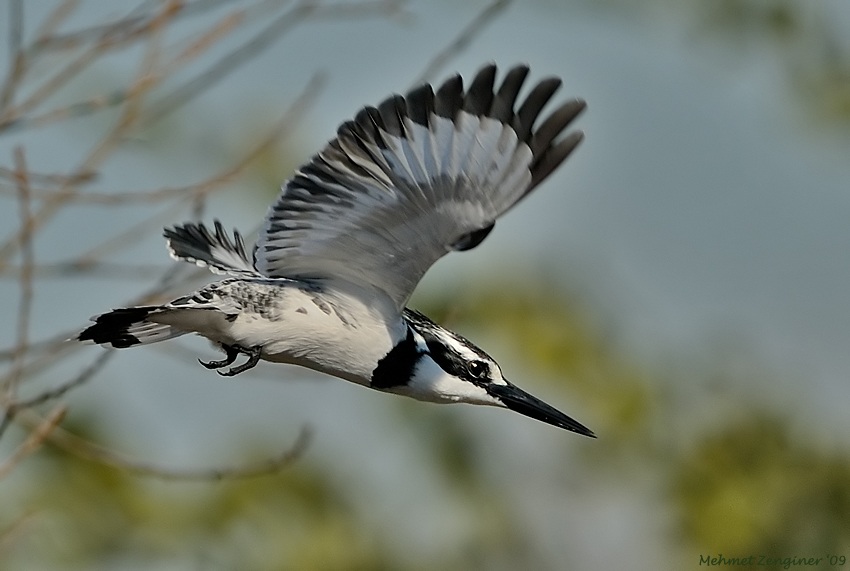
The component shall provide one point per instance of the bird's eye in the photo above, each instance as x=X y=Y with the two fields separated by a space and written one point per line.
x=478 y=369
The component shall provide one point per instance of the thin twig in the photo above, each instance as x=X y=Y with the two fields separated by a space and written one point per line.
x=119 y=96
x=462 y=40
x=17 y=61
x=12 y=114
x=50 y=352
x=135 y=20
x=109 y=199
x=48 y=345
x=35 y=439
x=26 y=288
x=87 y=450
x=12 y=532
x=9 y=384
x=85 y=267
x=206 y=39
x=227 y=64
x=265 y=38
x=16 y=26
x=13 y=408
x=50 y=41
x=44 y=178
x=105 y=43
x=60 y=391
x=90 y=163
x=55 y=19
x=73 y=110
x=200 y=190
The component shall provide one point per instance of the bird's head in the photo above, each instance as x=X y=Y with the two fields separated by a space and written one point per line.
x=443 y=366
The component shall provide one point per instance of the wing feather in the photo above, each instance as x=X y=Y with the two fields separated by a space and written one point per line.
x=195 y=243
x=414 y=178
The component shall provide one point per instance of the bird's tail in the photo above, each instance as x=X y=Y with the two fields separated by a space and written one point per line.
x=129 y=326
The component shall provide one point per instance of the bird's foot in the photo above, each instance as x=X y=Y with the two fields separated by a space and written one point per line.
x=232 y=352
x=253 y=354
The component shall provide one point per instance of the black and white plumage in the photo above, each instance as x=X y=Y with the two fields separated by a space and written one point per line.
x=354 y=231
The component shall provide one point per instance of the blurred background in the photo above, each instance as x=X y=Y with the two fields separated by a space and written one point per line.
x=679 y=286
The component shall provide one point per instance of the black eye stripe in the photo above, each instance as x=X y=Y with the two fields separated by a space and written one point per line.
x=476 y=372
x=449 y=361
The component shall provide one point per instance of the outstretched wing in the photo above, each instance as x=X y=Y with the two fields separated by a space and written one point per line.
x=418 y=176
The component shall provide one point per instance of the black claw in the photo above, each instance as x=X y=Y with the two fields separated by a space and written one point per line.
x=231 y=353
x=253 y=358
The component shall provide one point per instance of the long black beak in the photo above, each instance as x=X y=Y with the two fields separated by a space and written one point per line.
x=520 y=401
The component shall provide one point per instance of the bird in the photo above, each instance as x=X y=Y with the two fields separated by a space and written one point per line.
x=354 y=230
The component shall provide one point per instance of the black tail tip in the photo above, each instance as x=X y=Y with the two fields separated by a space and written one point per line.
x=112 y=328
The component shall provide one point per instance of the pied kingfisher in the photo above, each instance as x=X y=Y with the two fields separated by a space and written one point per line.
x=354 y=231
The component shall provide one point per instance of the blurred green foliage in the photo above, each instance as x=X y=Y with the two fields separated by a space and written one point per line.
x=750 y=488
x=83 y=515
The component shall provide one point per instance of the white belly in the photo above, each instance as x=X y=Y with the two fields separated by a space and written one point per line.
x=329 y=331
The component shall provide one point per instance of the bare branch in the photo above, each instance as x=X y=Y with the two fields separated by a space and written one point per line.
x=55 y=19
x=16 y=54
x=13 y=407
x=44 y=178
x=106 y=43
x=12 y=532
x=207 y=39
x=27 y=262
x=67 y=192
x=45 y=345
x=89 y=164
x=11 y=115
x=17 y=122
x=201 y=190
x=227 y=64
x=60 y=391
x=45 y=354
x=135 y=22
x=46 y=40
x=264 y=39
x=87 y=450
x=85 y=267
x=35 y=439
